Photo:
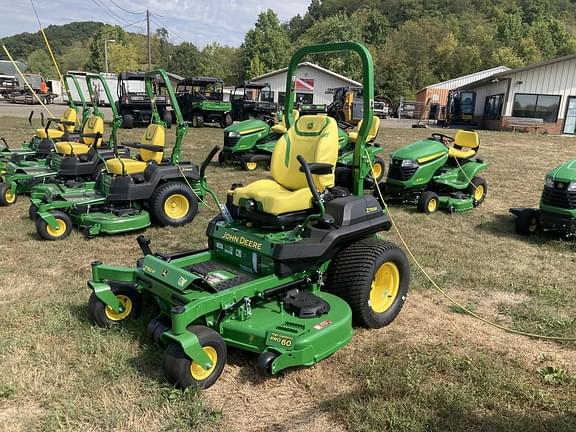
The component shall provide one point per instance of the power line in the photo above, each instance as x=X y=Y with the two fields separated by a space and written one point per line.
x=123 y=27
x=109 y=11
x=161 y=23
x=126 y=10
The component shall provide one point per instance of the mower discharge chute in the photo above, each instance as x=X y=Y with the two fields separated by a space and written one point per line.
x=557 y=211
x=130 y=190
x=438 y=172
x=292 y=261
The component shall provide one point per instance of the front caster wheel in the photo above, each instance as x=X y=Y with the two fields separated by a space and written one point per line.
x=104 y=316
x=182 y=371
x=478 y=189
x=48 y=232
x=7 y=198
x=372 y=276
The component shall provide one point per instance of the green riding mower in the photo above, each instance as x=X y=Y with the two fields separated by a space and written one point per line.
x=557 y=211
x=129 y=190
x=70 y=162
x=201 y=100
x=437 y=172
x=292 y=262
x=42 y=143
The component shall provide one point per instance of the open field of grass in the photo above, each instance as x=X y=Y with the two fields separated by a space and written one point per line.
x=433 y=369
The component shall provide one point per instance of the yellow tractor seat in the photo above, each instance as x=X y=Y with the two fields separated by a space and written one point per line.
x=70 y=115
x=465 y=145
x=372 y=133
x=280 y=128
x=153 y=135
x=93 y=125
x=313 y=137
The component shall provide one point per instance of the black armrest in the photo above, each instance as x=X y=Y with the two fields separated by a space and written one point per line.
x=64 y=122
x=319 y=168
x=154 y=148
x=91 y=135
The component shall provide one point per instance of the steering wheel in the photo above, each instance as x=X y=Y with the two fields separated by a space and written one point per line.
x=444 y=139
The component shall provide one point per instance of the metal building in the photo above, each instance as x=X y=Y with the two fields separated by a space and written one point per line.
x=543 y=92
x=314 y=84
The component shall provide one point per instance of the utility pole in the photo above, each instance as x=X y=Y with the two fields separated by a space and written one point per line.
x=149 y=40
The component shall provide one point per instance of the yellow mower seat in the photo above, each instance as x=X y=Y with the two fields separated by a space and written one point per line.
x=93 y=125
x=372 y=133
x=465 y=145
x=69 y=115
x=280 y=128
x=313 y=137
x=153 y=135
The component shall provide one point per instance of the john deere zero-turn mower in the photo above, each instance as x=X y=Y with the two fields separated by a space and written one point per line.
x=129 y=190
x=557 y=211
x=292 y=261
x=70 y=161
x=42 y=143
x=438 y=172
x=201 y=100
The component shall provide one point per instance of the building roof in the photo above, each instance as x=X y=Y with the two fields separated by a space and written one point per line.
x=312 y=65
x=494 y=78
x=467 y=79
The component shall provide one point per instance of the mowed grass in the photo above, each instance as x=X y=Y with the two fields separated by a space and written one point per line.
x=433 y=369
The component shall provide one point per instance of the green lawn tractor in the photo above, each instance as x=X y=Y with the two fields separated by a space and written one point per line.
x=42 y=143
x=201 y=100
x=437 y=172
x=292 y=261
x=70 y=162
x=129 y=190
x=557 y=211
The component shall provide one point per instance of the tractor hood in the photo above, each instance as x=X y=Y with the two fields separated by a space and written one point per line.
x=421 y=151
x=565 y=172
x=247 y=127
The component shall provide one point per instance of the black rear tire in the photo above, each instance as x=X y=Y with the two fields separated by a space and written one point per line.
x=428 y=202
x=105 y=316
x=97 y=171
x=127 y=121
x=33 y=212
x=528 y=222
x=178 y=367
x=167 y=118
x=197 y=120
x=354 y=274
x=165 y=212
x=46 y=232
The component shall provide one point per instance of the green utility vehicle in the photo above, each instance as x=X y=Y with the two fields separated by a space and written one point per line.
x=252 y=100
x=201 y=100
x=70 y=161
x=438 y=172
x=557 y=211
x=292 y=261
x=128 y=190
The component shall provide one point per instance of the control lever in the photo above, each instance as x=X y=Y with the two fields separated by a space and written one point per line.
x=144 y=243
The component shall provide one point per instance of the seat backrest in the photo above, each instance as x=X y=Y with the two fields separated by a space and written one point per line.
x=468 y=139
x=316 y=139
x=374 y=128
x=295 y=117
x=70 y=115
x=94 y=124
x=153 y=135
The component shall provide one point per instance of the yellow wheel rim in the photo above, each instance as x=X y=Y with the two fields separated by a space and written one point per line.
x=432 y=205
x=176 y=206
x=57 y=232
x=119 y=316
x=9 y=196
x=251 y=166
x=385 y=287
x=479 y=192
x=377 y=170
x=200 y=374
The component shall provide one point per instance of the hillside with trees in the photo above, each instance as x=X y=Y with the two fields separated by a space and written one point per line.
x=414 y=42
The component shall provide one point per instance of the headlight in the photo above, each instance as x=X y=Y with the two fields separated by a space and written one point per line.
x=571 y=187
x=409 y=164
x=234 y=134
x=550 y=182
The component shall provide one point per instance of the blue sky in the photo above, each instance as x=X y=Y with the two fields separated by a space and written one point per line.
x=197 y=21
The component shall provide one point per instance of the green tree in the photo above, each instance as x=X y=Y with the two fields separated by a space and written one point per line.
x=267 y=41
x=40 y=62
x=122 y=57
x=223 y=62
x=97 y=60
x=184 y=60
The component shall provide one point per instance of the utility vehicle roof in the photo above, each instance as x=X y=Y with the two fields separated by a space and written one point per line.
x=137 y=76
x=200 y=80
x=254 y=85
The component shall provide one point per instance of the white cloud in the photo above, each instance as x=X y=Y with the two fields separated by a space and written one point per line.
x=198 y=21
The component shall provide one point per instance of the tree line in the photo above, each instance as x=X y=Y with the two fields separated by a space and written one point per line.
x=414 y=43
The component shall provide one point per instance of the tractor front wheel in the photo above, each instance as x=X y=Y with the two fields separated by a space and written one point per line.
x=104 y=316
x=182 y=371
x=378 y=168
x=478 y=189
x=428 y=202
x=47 y=232
x=197 y=120
x=372 y=276
x=7 y=198
x=173 y=204
x=528 y=222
